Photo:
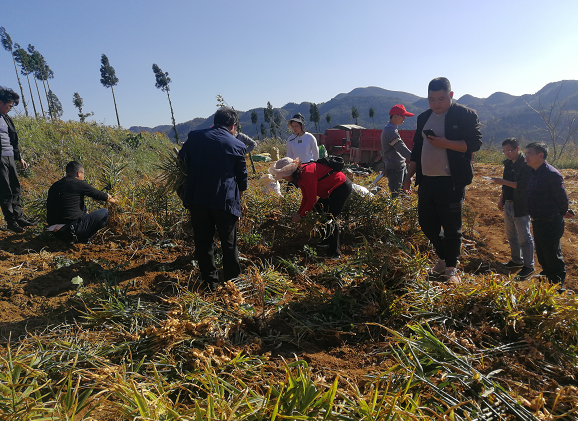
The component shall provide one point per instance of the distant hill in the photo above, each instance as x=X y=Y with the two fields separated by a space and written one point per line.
x=502 y=115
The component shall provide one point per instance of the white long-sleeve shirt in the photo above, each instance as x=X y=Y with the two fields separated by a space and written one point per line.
x=303 y=147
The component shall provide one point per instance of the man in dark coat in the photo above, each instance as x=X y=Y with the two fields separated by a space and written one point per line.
x=9 y=184
x=446 y=137
x=216 y=177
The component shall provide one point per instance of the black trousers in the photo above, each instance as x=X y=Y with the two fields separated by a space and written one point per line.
x=205 y=220
x=440 y=206
x=84 y=228
x=547 y=235
x=9 y=190
x=334 y=205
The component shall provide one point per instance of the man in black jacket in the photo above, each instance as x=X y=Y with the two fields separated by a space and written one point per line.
x=513 y=203
x=65 y=210
x=446 y=137
x=9 y=184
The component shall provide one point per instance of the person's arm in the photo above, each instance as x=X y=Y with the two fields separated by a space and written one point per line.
x=558 y=192
x=501 y=202
x=247 y=141
x=410 y=173
x=402 y=148
x=502 y=182
x=308 y=186
x=442 y=142
x=470 y=123
x=314 y=147
x=23 y=163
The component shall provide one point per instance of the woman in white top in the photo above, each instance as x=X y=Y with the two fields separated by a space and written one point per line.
x=301 y=144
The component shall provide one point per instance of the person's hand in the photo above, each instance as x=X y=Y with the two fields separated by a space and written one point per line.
x=437 y=141
x=24 y=164
x=296 y=217
x=501 y=205
x=112 y=200
x=407 y=185
x=570 y=214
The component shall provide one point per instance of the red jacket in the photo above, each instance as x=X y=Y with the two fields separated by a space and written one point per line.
x=311 y=188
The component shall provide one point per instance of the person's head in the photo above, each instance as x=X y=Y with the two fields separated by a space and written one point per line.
x=439 y=95
x=511 y=148
x=536 y=154
x=228 y=118
x=286 y=168
x=398 y=113
x=8 y=99
x=75 y=169
x=296 y=123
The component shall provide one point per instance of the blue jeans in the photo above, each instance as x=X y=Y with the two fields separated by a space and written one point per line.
x=519 y=236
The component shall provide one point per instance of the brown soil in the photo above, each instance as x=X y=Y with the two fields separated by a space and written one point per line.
x=36 y=272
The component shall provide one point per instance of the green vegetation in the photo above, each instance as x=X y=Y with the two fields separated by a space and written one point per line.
x=419 y=349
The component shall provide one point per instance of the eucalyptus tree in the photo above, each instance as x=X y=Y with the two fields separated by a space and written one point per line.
x=254 y=119
x=54 y=105
x=268 y=115
x=263 y=130
x=372 y=115
x=328 y=119
x=354 y=113
x=277 y=118
x=8 y=46
x=162 y=82
x=37 y=63
x=108 y=79
x=42 y=71
x=314 y=115
x=23 y=59
x=79 y=103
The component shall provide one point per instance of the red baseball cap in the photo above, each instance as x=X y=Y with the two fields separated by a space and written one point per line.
x=399 y=109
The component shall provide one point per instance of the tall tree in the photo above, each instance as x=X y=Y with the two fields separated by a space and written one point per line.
x=328 y=119
x=8 y=46
x=372 y=115
x=23 y=59
x=314 y=115
x=54 y=105
x=108 y=79
x=277 y=118
x=37 y=63
x=268 y=114
x=42 y=72
x=263 y=130
x=354 y=113
x=254 y=119
x=79 y=103
x=162 y=82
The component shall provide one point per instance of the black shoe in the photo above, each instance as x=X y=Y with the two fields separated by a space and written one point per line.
x=524 y=273
x=13 y=226
x=25 y=223
x=513 y=265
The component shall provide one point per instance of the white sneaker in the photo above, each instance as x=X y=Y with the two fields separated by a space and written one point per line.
x=439 y=268
x=452 y=275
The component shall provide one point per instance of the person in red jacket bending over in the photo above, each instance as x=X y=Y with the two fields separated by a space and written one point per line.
x=317 y=180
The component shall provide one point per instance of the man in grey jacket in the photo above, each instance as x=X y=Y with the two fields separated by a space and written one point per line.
x=393 y=151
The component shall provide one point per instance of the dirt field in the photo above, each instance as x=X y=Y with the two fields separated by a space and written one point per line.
x=36 y=271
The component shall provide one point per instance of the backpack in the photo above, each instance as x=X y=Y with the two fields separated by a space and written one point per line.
x=336 y=164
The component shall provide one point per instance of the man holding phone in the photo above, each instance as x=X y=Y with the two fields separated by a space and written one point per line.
x=446 y=137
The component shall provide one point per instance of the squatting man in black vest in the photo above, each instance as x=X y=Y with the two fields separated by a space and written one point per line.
x=66 y=214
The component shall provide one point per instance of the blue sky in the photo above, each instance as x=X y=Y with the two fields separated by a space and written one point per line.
x=251 y=52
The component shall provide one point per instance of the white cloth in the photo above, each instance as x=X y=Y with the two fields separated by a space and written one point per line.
x=303 y=147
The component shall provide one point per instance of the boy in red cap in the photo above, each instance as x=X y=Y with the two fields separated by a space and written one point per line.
x=393 y=151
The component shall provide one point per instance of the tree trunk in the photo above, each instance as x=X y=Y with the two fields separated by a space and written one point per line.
x=173 y=117
x=115 y=109
x=20 y=84
x=32 y=96
x=47 y=100
x=39 y=98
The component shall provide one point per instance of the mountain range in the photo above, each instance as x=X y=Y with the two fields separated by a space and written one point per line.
x=502 y=115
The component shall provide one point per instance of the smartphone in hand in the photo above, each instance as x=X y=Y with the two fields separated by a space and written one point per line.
x=430 y=133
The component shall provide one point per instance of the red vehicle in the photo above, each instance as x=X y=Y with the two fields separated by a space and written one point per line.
x=358 y=144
